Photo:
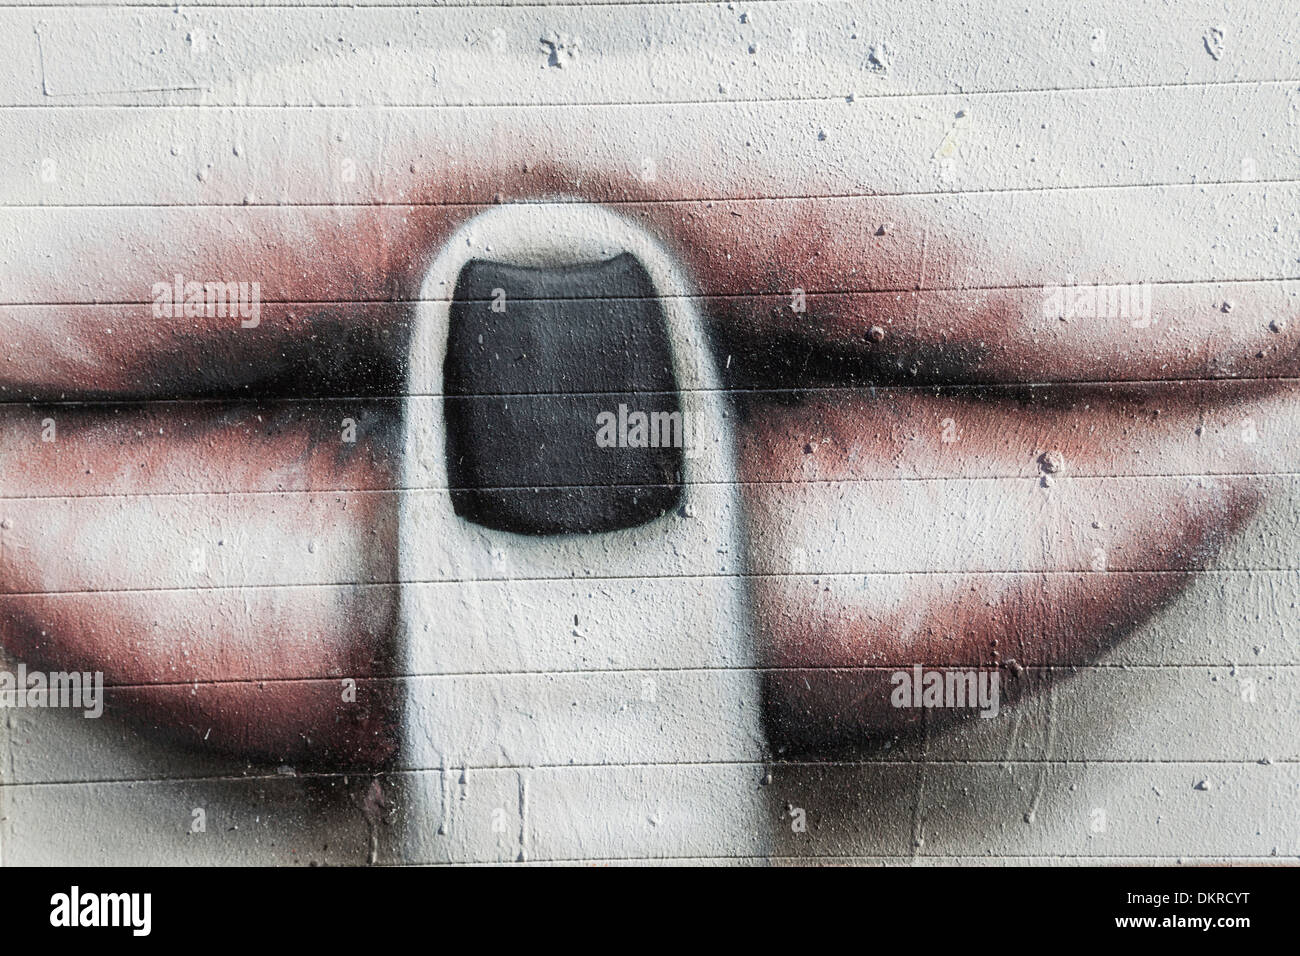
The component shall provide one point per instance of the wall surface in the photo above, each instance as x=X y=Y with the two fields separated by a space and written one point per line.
x=984 y=320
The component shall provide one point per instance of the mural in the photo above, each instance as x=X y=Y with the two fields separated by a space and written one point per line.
x=449 y=485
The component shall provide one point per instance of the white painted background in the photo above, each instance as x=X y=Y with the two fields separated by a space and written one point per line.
x=1100 y=140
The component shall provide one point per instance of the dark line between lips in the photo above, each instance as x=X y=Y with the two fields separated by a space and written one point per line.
x=935 y=388
x=826 y=363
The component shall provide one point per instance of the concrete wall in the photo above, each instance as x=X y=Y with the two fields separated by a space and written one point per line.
x=887 y=242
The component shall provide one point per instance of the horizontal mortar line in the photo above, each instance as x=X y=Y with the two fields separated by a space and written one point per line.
x=805 y=390
x=704 y=669
x=784 y=197
x=659 y=104
x=991 y=859
x=515 y=768
x=645 y=765
x=701 y=297
x=696 y=576
x=756 y=482
x=363 y=5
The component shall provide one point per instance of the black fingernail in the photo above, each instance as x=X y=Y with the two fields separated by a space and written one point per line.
x=544 y=367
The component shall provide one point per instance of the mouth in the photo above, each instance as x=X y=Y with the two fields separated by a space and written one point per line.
x=932 y=471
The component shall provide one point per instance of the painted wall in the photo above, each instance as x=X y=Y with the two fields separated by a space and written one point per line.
x=988 y=318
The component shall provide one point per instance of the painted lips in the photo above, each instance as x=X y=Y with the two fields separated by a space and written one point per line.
x=934 y=474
